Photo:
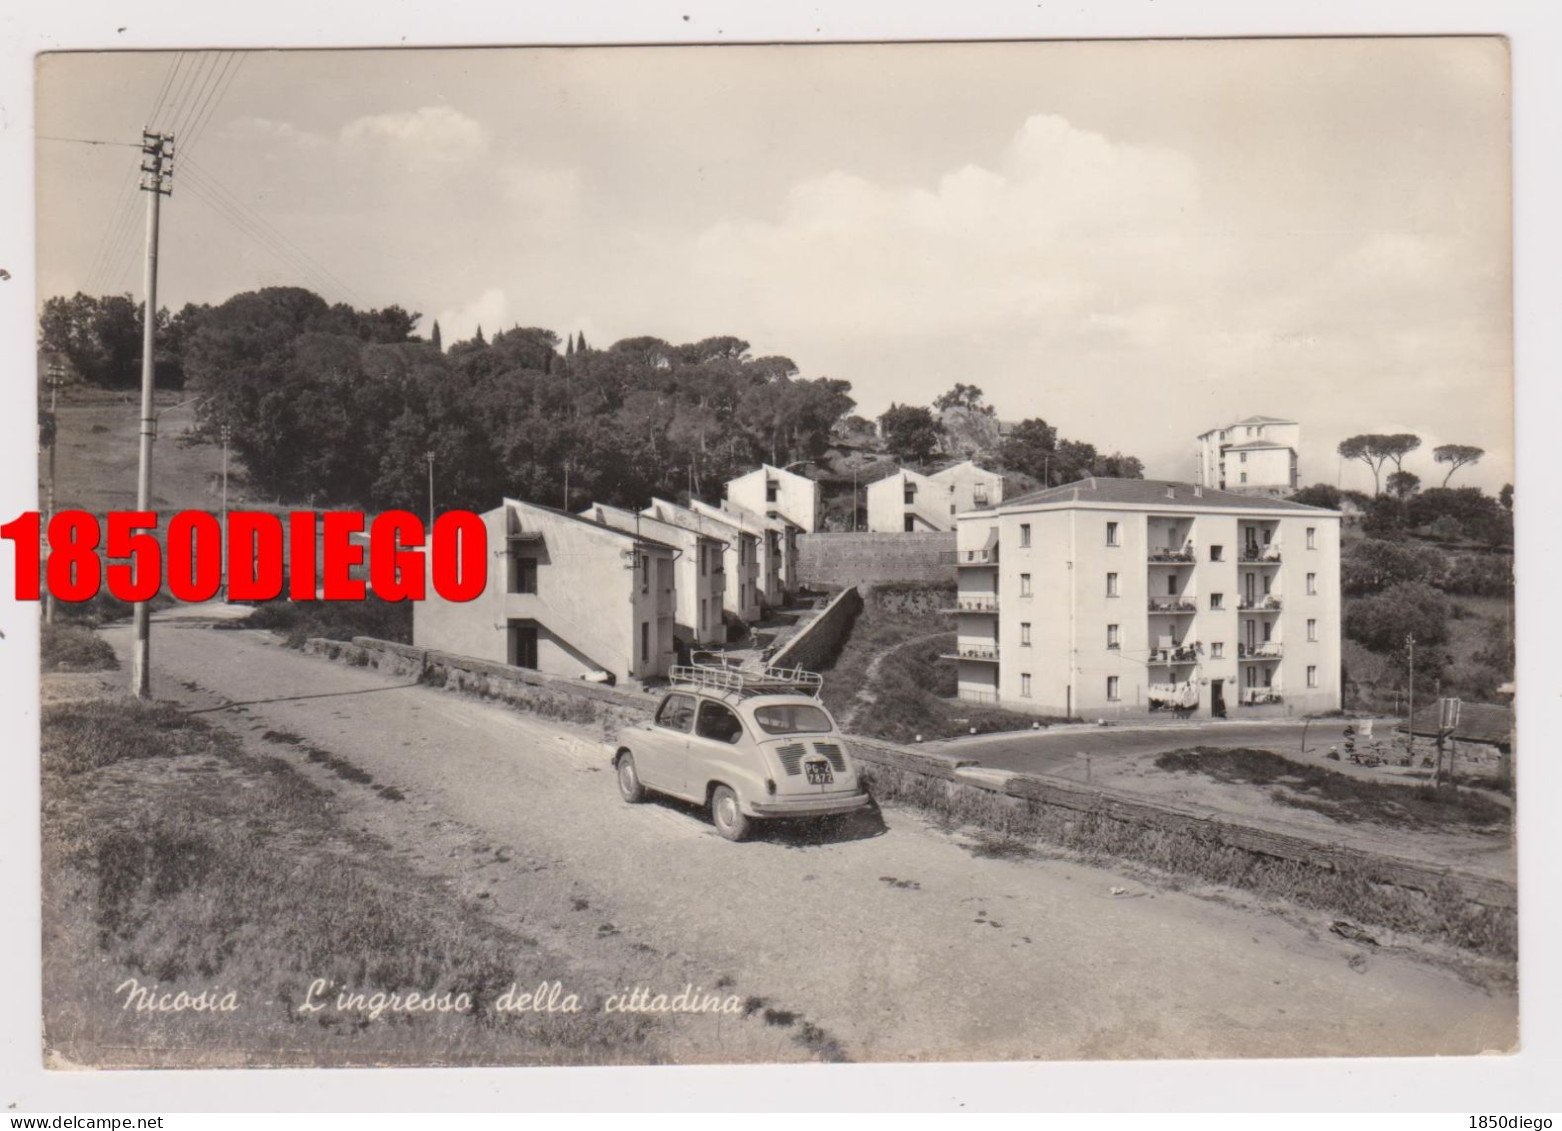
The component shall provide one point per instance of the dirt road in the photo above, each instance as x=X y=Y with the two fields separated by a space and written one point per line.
x=901 y=945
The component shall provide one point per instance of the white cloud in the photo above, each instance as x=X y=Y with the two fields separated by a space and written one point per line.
x=541 y=199
x=432 y=133
x=490 y=310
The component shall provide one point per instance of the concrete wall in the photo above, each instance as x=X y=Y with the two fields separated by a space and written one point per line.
x=820 y=639
x=863 y=558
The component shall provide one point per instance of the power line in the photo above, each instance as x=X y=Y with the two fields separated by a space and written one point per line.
x=224 y=84
x=197 y=90
x=86 y=141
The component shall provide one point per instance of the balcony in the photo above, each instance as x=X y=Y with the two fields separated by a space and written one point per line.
x=974 y=605
x=1260 y=555
x=1259 y=696
x=987 y=653
x=1269 y=604
x=1269 y=650
x=988 y=557
x=1172 y=605
x=1185 y=653
x=1164 y=556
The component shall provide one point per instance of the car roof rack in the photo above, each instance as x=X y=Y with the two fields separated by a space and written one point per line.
x=745 y=682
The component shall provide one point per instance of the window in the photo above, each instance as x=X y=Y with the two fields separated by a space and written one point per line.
x=1112 y=693
x=1024 y=585
x=1024 y=534
x=911 y=493
x=645 y=573
x=1217 y=650
x=645 y=641
x=1217 y=601
x=525 y=576
x=792 y=718
x=1025 y=634
x=1244 y=477
x=718 y=722
x=676 y=713
x=951 y=508
x=770 y=492
x=704 y=560
x=1312 y=675
x=1111 y=534
x=1171 y=584
x=1312 y=537
x=911 y=524
x=1269 y=631
x=1025 y=685
x=1312 y=629
x=1242 y=458
x=1112 y=638
x=1217 y=553
x=1252 y=676
x=1312 y=584
x=1111 y=585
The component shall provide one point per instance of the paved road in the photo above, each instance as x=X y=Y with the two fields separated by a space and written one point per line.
x=1051 y=751
x=901 y=945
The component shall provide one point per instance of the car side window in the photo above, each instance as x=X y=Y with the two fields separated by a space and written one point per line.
x=676 y=713
x=718 y=722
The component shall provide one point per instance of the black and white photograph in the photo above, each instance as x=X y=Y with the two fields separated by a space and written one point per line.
x=755 y=554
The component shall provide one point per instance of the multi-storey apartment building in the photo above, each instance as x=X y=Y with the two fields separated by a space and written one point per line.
x=739 y=549
x=910 y=501
x=1112 y=598
x=565 y=596
x=777 y=493
x=1253 y=456
x=771 y=539
x=699 y=576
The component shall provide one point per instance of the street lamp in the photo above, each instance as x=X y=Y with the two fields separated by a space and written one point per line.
x=51 y=436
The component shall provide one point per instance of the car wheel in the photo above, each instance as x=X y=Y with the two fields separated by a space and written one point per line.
x=727 y=815
x=629 y=786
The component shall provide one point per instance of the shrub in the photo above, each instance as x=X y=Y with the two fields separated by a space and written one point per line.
x=1383 y=622
x=334 y=620
x=76 y=648
x=1374 y=564
x=1478 y=575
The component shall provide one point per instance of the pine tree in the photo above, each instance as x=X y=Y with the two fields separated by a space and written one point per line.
x=570 y=349
x=581 y=348
x=478 y=337
x=435 y=340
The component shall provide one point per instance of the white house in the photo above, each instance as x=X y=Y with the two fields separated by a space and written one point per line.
x=1117 y=598
x=698 y=577
x=739 y=549
x=777 y=493
x=565 y=596
x=1258 y=455
x=909 y=501
x=771 y=538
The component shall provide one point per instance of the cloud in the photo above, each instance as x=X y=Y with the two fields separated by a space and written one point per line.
x=490 y=310
x=429 y=134
x=270 y=129
x=541 y=199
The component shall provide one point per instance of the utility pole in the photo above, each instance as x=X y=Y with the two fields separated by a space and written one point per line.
x=156 y=149
x=56 y=377
x=1410 y=704
x=227 y=435
x=429 y=455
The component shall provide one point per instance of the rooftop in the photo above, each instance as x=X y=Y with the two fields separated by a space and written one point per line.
x=1149 y=493
x=556 y=513
x=1253 y=445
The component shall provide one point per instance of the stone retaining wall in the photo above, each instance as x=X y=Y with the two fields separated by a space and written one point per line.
x=848 y=558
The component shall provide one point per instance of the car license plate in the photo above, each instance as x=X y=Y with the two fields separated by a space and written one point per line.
x=819 y=773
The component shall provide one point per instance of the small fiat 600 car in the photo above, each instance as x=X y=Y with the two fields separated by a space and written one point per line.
x=749 y=744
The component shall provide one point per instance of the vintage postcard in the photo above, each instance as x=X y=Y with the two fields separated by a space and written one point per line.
x=749 y=554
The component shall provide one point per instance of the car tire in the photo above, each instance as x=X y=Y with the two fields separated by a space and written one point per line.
x=727 y=815
x=629 y=787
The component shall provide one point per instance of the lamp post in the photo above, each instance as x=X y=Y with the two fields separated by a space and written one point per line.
x=55 y=380
x=429 y=455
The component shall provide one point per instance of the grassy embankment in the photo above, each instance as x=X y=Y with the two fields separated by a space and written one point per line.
x=888 y=680
x=175 y=858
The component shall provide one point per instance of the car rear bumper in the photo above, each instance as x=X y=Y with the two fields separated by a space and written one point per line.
x=811 y=806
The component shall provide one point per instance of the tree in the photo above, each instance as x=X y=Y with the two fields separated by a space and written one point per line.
x=435 y=340
x=1505 y=497
x=1031 y=448
x=1372 y=565
x=1319 y=495
x=1403 y=484
x=1375 y=449
x=1456 y=456
x=1382 y=623
x=962 y=396
x=910 y=432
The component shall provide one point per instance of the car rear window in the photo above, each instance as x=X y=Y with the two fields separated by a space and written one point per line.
x=792 y=718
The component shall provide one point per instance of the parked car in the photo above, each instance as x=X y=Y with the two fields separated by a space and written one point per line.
x=750 y=745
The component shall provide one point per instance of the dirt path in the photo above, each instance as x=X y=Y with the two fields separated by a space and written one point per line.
x=865 y=694
x=901 y=945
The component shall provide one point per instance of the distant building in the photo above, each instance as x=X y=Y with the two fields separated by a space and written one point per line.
x=565 y=596
x=909 y=501
x=777 y=493
x=1112 y=598
x=1256 y=456
x=772 y=537
x=698 y=577
x=739 y=565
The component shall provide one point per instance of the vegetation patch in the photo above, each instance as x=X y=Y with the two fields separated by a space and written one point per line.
x=185 y=863
x=1342 y=797
x=75 y=648
x=333 y=620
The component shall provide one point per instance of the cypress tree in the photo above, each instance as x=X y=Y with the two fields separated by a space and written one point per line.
x=435 y=340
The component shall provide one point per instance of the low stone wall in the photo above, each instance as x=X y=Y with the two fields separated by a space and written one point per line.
x=859 y=558
x=818 y=641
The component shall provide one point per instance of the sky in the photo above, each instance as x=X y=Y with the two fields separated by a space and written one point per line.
x=1137 y=241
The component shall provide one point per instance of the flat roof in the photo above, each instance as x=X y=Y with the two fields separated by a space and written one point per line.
x=1148 y=494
